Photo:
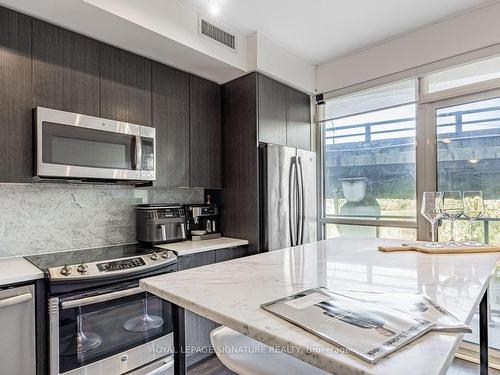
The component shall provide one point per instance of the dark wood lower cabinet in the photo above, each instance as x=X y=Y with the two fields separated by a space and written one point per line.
x=196 y=260
x=221 y=255
x=197 y=327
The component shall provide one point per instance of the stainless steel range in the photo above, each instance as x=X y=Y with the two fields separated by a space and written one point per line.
x=100 y=321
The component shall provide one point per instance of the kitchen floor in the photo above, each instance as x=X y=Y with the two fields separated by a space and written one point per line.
x=212 y=366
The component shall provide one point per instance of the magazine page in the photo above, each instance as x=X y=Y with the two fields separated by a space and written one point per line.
x=415 y=304
x=368 y=330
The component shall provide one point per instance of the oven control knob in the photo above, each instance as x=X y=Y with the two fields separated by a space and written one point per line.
x=164 y=254
x=155 y=256
x=66 y=270
x=82 y=268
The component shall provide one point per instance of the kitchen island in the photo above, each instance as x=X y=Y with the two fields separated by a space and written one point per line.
x=231 y=293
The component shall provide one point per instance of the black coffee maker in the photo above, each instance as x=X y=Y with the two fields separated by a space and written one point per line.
x=202 y=221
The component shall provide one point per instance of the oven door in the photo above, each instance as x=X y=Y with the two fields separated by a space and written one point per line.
x=113 y=330
x=70 y=145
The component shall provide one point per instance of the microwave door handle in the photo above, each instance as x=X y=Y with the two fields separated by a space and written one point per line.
x=138 y=153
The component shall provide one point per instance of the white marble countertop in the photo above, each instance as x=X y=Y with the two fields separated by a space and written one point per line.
x=16 y=270
x=230 y=293
x=192 y=247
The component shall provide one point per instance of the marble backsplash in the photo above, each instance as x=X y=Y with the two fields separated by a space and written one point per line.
x=40 y=218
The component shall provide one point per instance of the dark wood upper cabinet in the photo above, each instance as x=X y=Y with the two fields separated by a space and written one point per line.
x=125 y=86
x=16 y=101
x=65 y=70
x=272 y=111
x=205 y=133
x=298 y=124
x=171 y=119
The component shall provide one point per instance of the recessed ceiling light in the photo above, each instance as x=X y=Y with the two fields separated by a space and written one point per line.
x=447 y=140
x=474 y=161
x=213 y=7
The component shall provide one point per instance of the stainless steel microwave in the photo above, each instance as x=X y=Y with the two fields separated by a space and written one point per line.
x=74 y=146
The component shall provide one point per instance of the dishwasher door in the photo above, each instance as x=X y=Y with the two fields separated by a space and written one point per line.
x=17 y=327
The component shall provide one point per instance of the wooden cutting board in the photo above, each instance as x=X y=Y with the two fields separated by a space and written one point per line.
x=440 y=250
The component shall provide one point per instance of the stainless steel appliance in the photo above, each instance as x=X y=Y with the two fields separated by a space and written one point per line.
x=202 y=221
x=160 y=223
x=80 y=147
x=100 y=321
x=17 y=325
x=288 y=196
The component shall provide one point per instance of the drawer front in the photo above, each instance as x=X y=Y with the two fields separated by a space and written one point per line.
x=221 y=255
x=196 y=260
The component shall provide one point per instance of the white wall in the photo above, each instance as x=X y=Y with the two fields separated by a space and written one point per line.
x=463 y=33
x=269 y=58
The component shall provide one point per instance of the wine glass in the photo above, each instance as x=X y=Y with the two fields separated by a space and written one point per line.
x=85 y=340
x=144 y=322
x=473 y=210
x=452 y=207
x=431 y=210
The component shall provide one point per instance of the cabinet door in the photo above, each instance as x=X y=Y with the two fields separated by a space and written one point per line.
x=16 y=163
x=241 y=180
x=198 y=331
x=298 y=126
x=205 y=133
x=125 y=86
x=65 y=70
x=272 y=111
x=171 y=119
x=198 y=328
x=221 y=255
x=196 y=260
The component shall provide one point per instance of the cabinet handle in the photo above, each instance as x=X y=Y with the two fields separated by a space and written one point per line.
x=25 y=297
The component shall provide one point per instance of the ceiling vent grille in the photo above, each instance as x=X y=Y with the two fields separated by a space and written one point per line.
x=217 y=34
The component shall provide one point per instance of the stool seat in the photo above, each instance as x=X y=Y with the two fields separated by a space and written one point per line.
x=246 y=356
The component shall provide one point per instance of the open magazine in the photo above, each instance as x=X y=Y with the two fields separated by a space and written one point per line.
x=415 y=304
x=363 y=324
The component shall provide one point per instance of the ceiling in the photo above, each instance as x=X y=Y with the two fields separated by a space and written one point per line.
x=321 y=30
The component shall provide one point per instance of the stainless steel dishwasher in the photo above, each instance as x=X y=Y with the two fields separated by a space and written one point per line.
x=17 y=327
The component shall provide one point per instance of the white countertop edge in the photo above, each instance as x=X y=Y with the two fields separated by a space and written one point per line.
x=18 y=270
x=193 y=247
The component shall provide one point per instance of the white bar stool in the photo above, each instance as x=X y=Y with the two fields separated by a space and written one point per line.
x=246 y=356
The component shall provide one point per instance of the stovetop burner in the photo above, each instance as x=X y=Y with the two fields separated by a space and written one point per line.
x=103 y=262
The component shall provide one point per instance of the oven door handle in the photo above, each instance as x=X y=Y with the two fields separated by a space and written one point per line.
x=100 y=298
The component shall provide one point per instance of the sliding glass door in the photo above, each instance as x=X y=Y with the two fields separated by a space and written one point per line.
x=467 y=146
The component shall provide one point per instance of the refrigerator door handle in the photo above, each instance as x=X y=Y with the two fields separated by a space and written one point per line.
x=301 y=213
x=292 y=202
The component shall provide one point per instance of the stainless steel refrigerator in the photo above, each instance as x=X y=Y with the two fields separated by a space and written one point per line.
x=288 y=197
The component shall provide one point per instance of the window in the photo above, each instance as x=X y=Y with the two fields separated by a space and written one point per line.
x=368 y=161
x=468 y=158
x=470 y=77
